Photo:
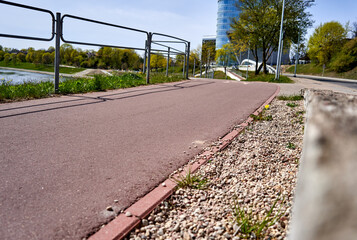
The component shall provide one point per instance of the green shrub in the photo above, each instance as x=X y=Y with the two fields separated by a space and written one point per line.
x=346 y=59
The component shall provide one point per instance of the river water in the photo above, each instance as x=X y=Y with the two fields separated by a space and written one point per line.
x=18 y=77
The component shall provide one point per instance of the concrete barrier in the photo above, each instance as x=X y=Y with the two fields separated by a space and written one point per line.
x=325 y=205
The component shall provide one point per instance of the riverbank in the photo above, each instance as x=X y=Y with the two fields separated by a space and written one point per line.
x=30 y=90
x=39 y=68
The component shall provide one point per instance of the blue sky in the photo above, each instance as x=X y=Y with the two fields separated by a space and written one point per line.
x=188 y=19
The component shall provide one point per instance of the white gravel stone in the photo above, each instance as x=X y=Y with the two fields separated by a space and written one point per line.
x=255 y=170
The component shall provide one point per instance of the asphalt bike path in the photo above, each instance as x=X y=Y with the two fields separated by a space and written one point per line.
x=64 y=160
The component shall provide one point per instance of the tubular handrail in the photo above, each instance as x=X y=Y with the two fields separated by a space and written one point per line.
x=102 y=23
x=154 y=42
x=57 y=30
x=169 y=36
x=35 y=9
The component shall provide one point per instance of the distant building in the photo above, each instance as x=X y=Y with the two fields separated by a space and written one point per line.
x=227 y=10
x=209 y=39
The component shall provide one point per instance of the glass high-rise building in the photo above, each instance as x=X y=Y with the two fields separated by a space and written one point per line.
x=226 y=11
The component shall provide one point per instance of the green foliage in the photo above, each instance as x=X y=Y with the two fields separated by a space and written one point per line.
x=6 y=59
x=190 y=181
x=346 y=59
x=78 y=85
x=225 y=55
x=291 y=98
x=292 y=105
x=258 y=25
x=161 y=78
x=326 y=41
x=2 y=53
x=157 y=61
x=262 y=116
x=208 y=52
x=251 y=228
x=106 y=57
x=221 y=75
x=27 y=90
x=306 y=69
x=41 y=67
x=312 y=69
x=267 y=78
x=291 y=145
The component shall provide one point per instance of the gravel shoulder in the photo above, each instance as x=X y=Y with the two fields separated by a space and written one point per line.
x=256 y=170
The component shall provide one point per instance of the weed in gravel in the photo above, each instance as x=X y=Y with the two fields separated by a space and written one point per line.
x=261 y=117
x=291 y=98
x=291 y=145
x=292 y=105
x=299 y=114
x=251 y=228
x=190 y=181
x=300 y=120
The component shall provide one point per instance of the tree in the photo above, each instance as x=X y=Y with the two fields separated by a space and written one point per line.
x=2 y=53
x=157 y=61
x=258 y=26
x=225 y=55
x=326 y=41
x=46 y=58
x=7 y=58
x=346 y=59
x=299 y=48
x=354 y=30
x=208 y=52
x=21 y=57
x=13 y=58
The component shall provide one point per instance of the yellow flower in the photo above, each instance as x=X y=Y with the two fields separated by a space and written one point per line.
x=267 y=107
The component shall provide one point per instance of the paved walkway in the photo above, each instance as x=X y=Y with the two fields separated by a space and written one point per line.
x=301 y=83
x=65 y=160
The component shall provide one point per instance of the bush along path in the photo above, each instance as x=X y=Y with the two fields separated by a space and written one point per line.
x=243 y=192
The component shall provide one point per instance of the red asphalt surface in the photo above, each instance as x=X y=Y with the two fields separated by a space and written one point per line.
x=65 y=160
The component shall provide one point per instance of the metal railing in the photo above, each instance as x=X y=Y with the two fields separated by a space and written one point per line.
x=57 y=30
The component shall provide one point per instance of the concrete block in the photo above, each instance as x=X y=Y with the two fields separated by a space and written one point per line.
x=325 y=205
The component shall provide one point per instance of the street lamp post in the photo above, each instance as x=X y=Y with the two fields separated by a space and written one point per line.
x=297 y=55
x=246 y=77
x=278 y=61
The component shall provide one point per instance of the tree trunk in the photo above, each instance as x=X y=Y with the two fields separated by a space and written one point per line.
x=264 y=58
x=256 y=61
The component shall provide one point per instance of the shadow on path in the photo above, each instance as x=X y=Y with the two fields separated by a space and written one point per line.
x=124 y=94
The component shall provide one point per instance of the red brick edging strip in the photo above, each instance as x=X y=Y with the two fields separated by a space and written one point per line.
x=127 y=221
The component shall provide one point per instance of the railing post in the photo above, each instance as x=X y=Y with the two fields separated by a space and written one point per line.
x=148 y=57
x=145 y=53
x=194 y=67
x=184 y=67
x=168 y=61
x=57 y=49
x=188 y=59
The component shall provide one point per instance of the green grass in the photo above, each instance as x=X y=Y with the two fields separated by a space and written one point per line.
x=221 y=75
x=262 y=116
x=254 y=229
x=31 y=90
x=267 y=78
x=291 y=98
x=313 y=69
x=292 y=105
x=291 y=145
x=24 y=91
x=190 y=181
x=40 y=67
